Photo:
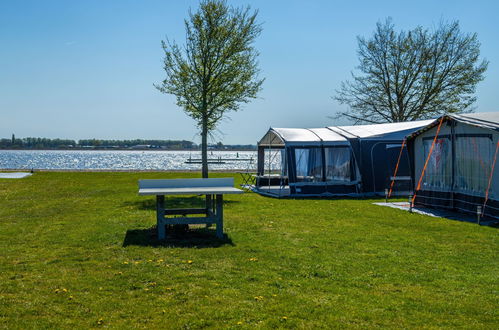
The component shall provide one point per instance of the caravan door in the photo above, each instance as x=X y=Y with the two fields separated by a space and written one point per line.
x=384 y=157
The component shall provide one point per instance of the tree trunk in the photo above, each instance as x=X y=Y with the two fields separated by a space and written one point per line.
x=204 y=148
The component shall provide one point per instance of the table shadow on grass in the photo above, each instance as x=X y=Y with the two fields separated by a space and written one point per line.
x=192 y=238
x=171 y=202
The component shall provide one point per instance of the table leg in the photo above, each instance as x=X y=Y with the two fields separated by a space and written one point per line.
x=209 y=207
x=220 y=216
x=208 y=202
x=160 y=216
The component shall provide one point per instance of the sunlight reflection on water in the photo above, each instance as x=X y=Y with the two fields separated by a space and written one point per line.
x=119 y=160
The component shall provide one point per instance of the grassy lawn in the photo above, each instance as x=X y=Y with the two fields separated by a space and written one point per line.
x=76 y=251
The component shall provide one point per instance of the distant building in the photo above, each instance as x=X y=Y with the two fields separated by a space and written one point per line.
x=141 y=146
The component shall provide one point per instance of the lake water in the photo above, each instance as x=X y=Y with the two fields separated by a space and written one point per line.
x=120 y=160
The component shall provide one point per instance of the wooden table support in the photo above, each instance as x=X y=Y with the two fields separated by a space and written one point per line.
x=219 y=215
x=213 y=215
x=160 y=215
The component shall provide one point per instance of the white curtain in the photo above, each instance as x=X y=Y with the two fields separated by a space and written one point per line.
x=473 y=164
x=338 y=167
x=439 y=169
x=308 y=164
x=284 y=163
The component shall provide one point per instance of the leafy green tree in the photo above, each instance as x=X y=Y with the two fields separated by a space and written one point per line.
x=412 y=75
x=217 y=69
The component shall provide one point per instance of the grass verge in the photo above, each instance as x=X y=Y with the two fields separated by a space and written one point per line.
x=76 y=251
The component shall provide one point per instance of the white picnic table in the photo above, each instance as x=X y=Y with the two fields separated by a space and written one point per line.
x=212 y=188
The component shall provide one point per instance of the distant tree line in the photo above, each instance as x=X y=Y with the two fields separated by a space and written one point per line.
x=221 y=146
x=45 y=143
x=35 y=143
x=165 y=144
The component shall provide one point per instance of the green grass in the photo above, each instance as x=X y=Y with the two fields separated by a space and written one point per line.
x=76 y=251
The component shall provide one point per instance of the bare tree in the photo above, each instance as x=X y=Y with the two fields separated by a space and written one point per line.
x=413 y=75
x=217 y=69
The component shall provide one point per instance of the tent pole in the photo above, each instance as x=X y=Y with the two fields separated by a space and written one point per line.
x=453 y=162
x=270 y=162
x=323 y=164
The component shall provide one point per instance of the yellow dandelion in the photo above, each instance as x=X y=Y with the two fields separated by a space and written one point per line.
x=160 y=260
x=64 y=290
x=239 y=323
x=149 y=260
x=284 y=318
x=57 y=290
x=169 y=289
x=258 y=298
x=274 y=295
x=253 y=259
x=119 y=273
x=100 y=321
x=189 y=261
x=137 y=262
x=70 y=297
x=125 y=262
x=146 y=289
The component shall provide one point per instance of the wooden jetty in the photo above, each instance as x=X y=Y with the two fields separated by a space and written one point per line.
x=218 y=160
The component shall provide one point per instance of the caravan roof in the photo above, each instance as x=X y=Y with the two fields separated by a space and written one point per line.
x=338 y=135
x=389 y=131
x=487 y=120
x=483 y=119
x=302 y=136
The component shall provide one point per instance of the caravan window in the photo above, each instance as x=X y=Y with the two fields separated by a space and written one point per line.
x=439 y=169
x=338 y=164
x=308 y=164
x=474 y=155
x=275 y=161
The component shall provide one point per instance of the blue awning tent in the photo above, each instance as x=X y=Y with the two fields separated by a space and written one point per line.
x=334 y=161
x=461 y=172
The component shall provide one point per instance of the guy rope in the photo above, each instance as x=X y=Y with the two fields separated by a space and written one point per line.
x=490 y=179
x=427 y=160
x=396 y=169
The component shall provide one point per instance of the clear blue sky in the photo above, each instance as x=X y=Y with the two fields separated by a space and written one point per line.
x=83 y=69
